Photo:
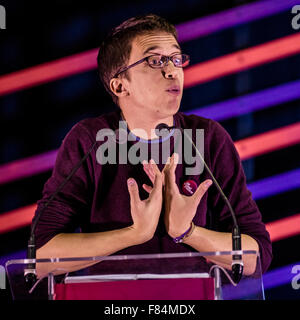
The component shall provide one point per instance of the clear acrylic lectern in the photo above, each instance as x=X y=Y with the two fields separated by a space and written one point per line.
x=169 y=276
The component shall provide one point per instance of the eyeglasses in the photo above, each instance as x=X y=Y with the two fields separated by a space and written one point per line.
x=158 y=61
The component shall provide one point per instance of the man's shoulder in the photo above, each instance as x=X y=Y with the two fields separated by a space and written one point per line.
x=93 y=124
x=193 y=121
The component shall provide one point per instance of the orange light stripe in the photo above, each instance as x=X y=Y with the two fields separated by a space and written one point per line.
x=268 y=141
x=242 y=60
x=202 y=72
x=284 y=228
x=18 y=218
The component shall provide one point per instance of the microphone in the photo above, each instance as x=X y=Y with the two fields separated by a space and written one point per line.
x=30 y=271
x=163 y=129
x=237 y=265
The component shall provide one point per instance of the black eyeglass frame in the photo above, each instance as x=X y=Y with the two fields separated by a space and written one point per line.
x=167 y=59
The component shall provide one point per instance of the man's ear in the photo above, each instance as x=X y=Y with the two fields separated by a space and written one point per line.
x=118 y=88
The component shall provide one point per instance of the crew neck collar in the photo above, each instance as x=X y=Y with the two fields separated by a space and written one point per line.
x=149 y=141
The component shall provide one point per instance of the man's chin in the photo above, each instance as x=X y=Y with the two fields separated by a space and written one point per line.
x=167 y=109
x=172 y=108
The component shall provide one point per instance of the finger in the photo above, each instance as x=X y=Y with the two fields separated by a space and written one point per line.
x=174 y=161
x=167 y=164
x=203 y=187
x=166 y=167
x=157 y=186
x=147 y=188
x=154 y=168
x=169 y=174
x=149 y=172
x=133 y=191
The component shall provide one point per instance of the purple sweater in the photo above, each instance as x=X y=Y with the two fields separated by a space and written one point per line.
x=97 y=198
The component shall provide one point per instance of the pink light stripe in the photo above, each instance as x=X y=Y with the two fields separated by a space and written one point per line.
x=189 y=30
x=16 y=219
x=27 y=167
x=284 y=228
x=48 y=72
x=22 y=217
x=247 y=148
x=268 y=141
x=241 y=60
x=194 y=75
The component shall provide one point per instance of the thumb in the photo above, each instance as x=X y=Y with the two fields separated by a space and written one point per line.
x=133 y=191
x=202 y=189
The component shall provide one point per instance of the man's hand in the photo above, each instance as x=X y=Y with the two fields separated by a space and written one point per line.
x=179 y=209
x=145 y=214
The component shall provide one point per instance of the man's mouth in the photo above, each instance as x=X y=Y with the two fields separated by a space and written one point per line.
x=174 y=90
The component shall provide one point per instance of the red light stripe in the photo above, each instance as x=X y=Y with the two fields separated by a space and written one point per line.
x=247 y=148
x=242 y=60
x=268 y=141
x=15 y=219
x=284 y=228
x=47 y=72
x=194 y=75
x=22 y=217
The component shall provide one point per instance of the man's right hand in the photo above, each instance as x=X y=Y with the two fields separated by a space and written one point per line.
x=145 y=213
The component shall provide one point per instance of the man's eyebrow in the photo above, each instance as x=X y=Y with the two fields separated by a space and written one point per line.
x=150 y=49
x=158 y=47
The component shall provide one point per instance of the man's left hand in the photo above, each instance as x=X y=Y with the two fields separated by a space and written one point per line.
x=179 y=209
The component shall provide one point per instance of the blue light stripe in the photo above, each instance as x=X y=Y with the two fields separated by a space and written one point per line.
x=271 y=279
x=251 y=102
x=279 y=277
x=276 y=184
x=260 y=189
x=14 y=255
x=233 y=17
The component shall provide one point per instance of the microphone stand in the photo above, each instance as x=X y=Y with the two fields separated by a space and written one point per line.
x=237 y=263
x=30 y=271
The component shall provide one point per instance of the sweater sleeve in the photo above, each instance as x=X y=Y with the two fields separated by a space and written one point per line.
x=228 y=170
x=70 y=205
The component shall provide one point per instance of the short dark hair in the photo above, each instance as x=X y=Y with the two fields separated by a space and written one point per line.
x=115 y=50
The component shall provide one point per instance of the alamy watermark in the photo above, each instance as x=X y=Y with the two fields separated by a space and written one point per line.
x=296 y=279
x=296 y=18
x=2 y=278
x=115 y=145
x=2 y=17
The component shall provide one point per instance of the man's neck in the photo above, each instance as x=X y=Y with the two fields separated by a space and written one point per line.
x=143 y=126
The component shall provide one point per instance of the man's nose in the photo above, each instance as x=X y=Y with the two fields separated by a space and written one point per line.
x=170 y=71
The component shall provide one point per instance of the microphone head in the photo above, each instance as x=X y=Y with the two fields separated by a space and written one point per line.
x=237 y=272
x=30 y=280
x=162 y=129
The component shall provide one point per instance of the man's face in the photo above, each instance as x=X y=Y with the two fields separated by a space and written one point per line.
x=154 y=92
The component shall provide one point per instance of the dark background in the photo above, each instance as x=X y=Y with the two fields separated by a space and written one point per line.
x=36 y=120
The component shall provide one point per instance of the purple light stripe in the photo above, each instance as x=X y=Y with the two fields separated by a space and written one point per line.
x=229 y=18
x=276 y=184
x=27 y=167
x=250 y=102
x=280 y=276
x=12 y=256
x=220 y=111
x=271 y=279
